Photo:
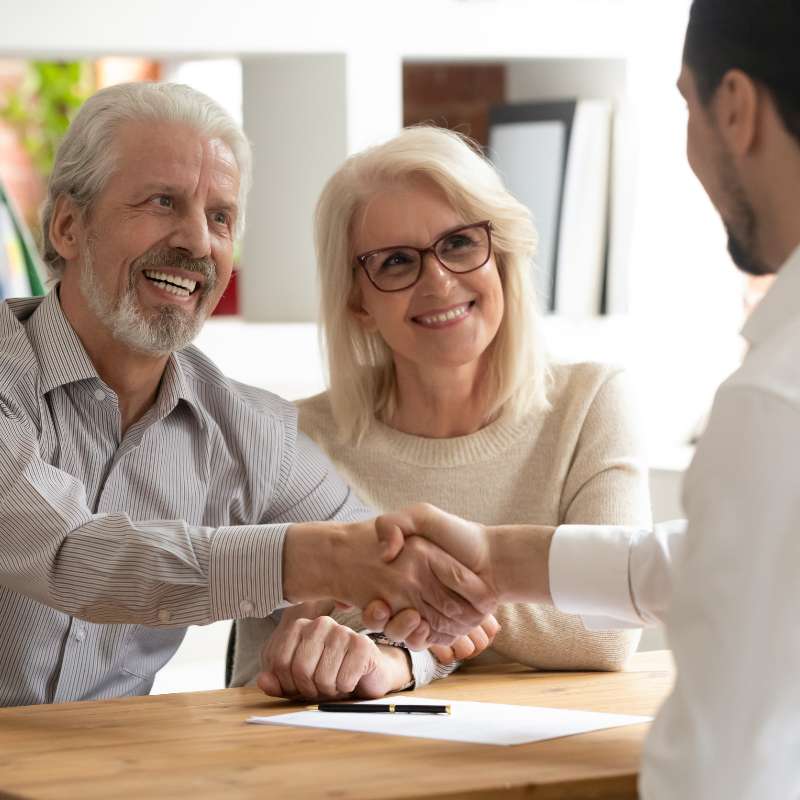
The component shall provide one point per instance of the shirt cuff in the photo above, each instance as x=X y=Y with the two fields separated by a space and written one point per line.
x=246 y=571
x=589 y=575
x=426 y=669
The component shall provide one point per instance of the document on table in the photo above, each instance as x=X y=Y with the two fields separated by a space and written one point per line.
x=479 y=723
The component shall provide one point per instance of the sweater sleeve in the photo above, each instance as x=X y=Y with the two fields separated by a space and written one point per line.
x=607 y=484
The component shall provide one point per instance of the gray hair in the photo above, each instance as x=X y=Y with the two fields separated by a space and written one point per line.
x=86 y=156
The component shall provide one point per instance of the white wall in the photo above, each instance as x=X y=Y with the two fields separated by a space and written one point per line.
x=421 y=28
x=304 y=115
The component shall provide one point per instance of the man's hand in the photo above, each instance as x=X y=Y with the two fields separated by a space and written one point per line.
x=511 y=559
x=320 y=659
x=345 y=562
x=469 y=542
x=469 y=646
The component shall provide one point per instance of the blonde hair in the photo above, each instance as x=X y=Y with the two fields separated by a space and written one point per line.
x=360 y=366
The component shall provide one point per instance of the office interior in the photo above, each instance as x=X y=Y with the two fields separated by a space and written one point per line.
x=314 y=81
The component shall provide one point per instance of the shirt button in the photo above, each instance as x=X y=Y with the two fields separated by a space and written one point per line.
x=80 y=634
x=164 y=615
x=246 y=607
x=99 y=394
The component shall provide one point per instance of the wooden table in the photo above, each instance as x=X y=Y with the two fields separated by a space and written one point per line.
x=197 y=745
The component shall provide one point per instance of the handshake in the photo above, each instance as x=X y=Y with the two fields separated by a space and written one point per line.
x=422 y=576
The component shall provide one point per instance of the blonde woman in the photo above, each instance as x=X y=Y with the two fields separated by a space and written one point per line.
x=441 y=391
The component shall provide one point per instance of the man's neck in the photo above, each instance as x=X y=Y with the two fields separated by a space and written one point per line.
x=780 y=232
x=775 y=194
x=132 y=375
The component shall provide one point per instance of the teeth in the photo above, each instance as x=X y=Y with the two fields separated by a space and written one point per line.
x=170 y=282
x=444 y=316
x=176 y=290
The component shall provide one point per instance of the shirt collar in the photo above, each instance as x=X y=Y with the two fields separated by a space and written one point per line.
x=64 y=360
x=175 y=386
x=780 y=305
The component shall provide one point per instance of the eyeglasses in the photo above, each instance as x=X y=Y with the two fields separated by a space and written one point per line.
x=464 y=249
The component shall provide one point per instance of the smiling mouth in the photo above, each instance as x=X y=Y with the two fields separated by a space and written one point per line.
x=443 y=317
x=174 y=284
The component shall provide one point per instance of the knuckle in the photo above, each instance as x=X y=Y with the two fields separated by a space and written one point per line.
x=282 y=664
x=334 y=638
x=326 y=689
x=300 y=674
x=363 y=647
x=320 y=624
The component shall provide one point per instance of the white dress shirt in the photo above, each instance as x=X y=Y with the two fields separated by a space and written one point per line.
x=726 y=581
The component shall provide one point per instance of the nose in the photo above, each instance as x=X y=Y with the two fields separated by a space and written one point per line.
x=191 y=234
x=435 y=279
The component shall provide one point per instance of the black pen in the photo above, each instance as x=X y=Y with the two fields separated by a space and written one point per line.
x=380 y=708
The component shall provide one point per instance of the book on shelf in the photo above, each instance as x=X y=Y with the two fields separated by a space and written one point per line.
x=555 y=157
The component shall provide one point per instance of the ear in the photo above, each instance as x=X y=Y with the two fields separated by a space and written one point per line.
x=65 y=226
x=737 y=105
x=355 y=306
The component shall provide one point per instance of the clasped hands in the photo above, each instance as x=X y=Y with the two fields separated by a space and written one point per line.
x=408 y=586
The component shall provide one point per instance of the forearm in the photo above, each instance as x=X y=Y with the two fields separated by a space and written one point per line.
x=107 y=568
x=519 y=556
x=163 y=573
x=312 y=555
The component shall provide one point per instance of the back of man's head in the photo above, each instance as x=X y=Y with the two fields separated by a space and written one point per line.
x=86 y=156
x=759 y=37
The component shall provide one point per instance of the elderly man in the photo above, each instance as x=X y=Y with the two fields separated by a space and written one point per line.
x=138 y=485
x=730 y=730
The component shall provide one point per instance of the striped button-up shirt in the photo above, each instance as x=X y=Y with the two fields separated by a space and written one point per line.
x=111 y=544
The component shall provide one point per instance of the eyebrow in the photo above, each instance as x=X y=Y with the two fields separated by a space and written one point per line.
x=161 y=187
x=438 y=237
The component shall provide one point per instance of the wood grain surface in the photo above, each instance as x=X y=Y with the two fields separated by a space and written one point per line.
x=198 y=745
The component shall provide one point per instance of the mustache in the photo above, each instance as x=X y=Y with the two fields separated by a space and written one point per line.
x=178 y=260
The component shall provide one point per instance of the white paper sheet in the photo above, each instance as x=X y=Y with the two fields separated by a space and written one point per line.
x=478 y=723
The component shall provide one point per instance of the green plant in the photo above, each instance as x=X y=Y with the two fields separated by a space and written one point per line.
x=43 y=105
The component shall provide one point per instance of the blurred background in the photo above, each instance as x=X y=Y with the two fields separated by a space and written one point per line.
x=633 y=267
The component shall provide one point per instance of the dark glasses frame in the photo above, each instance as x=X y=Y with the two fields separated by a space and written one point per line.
x=423 y=251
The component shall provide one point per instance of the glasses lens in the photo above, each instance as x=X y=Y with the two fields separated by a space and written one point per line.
x=464 y=249
x=393 y=269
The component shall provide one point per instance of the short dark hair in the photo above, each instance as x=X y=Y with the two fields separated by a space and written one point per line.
x=759 y=37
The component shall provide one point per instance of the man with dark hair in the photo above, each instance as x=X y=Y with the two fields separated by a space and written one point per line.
x=727 y=41
x=727 y=581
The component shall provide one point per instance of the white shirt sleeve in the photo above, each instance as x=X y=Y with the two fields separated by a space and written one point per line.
x=612 y=576
x=730 y=728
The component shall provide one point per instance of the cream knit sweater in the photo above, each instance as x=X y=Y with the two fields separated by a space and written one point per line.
x=580 y=462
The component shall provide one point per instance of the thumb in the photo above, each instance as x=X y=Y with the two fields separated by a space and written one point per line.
x=375 y=615
x=389 y=529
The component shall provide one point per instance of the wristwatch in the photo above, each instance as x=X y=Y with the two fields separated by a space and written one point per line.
x=380 y=638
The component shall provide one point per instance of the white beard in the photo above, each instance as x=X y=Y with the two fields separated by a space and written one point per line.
x=164 y=331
